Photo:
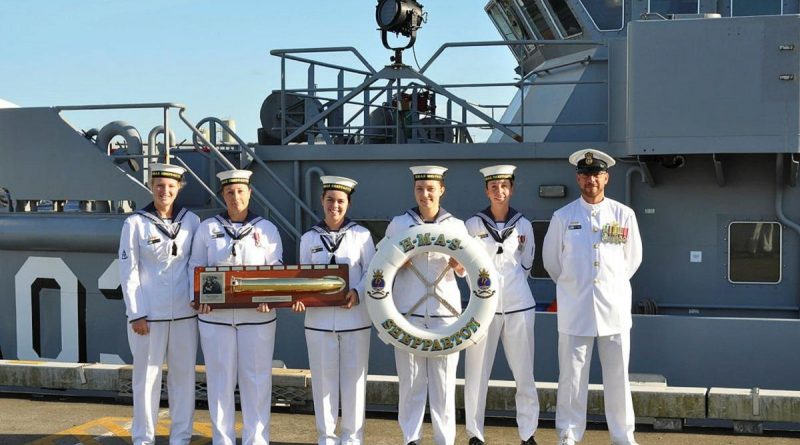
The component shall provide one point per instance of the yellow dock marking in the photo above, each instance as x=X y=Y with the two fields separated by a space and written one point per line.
x=162 y=428
x=122 y=431
x=90 y=433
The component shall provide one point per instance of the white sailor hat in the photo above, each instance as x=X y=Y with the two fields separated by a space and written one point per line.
x=496 y=172
x=340 y=183
x=432 y=172
x=234 y=177
x=166 y=171
x=590 y=160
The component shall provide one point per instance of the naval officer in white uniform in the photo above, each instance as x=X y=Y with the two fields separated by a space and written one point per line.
x=154 y=249
x=507 y=237
x=338 y=337
x=237 y=343
x=422 y=378
x=591 y=250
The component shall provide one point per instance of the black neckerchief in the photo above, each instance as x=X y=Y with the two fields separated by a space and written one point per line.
x=238 y=233
x=330 y=239
x=415 y=215
x=498 y=235
x=169 y=230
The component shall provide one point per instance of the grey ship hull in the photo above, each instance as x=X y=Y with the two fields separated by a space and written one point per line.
x=690 y=346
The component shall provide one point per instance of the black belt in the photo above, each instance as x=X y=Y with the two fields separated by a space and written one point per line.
x=173 y=319
x=237 y=324
x=514 y=312
x=340 y=330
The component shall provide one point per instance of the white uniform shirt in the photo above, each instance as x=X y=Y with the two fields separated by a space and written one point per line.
x=408 y=289
x=511 y=247
x=154 y=281
x=352 y=245
x=592 y=275
x=214 y=246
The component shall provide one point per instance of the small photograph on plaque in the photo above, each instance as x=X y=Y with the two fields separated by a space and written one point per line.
x=212 y=285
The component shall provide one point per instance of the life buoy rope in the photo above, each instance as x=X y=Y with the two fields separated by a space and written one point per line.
x=394 y=328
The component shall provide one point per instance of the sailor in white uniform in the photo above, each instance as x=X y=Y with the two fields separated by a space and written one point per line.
x=338 y=337
x=154 y=249
x=507 y=237
x=237 y=343
x=420 y=377
x=591 y=250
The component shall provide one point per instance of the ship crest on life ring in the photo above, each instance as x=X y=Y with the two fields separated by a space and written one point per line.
x=470 y=325
x=484 y=285
x=378 y=284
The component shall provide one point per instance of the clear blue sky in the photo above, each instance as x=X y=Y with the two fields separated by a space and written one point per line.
x=213 y=56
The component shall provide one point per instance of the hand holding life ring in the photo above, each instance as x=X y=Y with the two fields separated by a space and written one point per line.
x=394 y=328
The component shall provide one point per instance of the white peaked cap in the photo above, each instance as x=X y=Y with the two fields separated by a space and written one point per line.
x=587 y=158
x=234 y=177
x=495 y=172
x=166 y=171
x=433 y=172
x=340 y=183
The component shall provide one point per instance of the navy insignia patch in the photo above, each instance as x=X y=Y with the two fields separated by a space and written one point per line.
x=484 y=283
x=378 y=284
x=123 y=255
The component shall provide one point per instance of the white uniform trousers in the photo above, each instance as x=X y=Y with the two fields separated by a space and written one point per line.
x=516 y=331
x=177 y=342
x=574 y=359
x=242 y=353
x=432 y=377
x=338 y=362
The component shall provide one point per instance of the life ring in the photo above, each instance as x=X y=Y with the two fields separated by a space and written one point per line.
x=394 y=328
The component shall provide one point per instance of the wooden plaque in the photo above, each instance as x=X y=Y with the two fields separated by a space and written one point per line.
x=279 y=286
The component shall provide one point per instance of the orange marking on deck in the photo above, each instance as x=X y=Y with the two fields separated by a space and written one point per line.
x=114 y=427
x=162 y=428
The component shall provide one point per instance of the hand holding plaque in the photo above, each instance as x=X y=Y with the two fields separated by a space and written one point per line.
x=278 y=286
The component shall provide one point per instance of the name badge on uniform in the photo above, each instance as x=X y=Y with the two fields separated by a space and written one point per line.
x=316 y=249
x=482 y=235
x=574 y=226
x=153 y=240
x=215 y=235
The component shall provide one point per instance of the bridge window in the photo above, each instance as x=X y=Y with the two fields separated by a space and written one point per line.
x=756 y=7
x=540 y=23
x=512 y=25
x=754 y=252
x=666 y=7
x=569 y=24
x=607 y=15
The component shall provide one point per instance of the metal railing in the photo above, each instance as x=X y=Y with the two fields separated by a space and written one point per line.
x=408 y=124
x=201 y=144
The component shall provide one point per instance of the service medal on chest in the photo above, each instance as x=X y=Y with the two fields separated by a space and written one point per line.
x=614 y=234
